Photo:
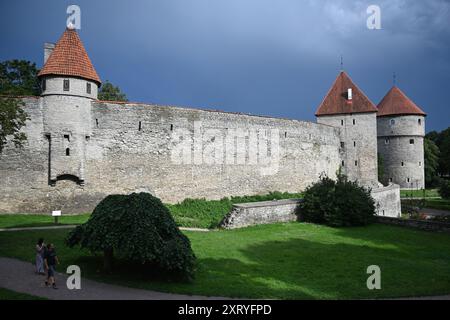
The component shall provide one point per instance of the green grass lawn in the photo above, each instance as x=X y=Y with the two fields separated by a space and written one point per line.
x=198 y=213
x=36 y=220
x=284 y=261
x=6 y=294
x=419 y=193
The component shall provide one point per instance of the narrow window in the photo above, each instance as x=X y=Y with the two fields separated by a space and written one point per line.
x=342 y=122
x=171 y=127
x=392 y=122
x=140 y=125
x=88 y=88
x=343 y=163
x=354 y=143
x=419 y=121
x=420 y=163
x=67 y=152
x=407 y=179
x=403 y=163
x=342 y=144
x=88 y=138
x=386 y=141
x=96 y=123
x=67 y=137
x=411 y=141
x=356 y=162
x=66 y=85
x=390 y=179
x=383 y=212
x=354 y=121
x=44 y=84
x=285 y=134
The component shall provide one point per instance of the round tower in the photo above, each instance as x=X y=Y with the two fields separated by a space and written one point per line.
x=348 y=108
x=400 y=132
x=69 y=84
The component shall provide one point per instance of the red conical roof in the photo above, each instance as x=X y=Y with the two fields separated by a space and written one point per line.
x=337 y=102
x=395 y=102
x=69 y=58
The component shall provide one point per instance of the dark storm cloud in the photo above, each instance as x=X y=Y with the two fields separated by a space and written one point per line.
x=273 y=57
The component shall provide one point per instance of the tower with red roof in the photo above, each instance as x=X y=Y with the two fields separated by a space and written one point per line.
x=401 y=130
x=69 y=84
x=346 y=107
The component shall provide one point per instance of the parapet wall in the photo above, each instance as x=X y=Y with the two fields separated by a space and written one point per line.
x=387 y=200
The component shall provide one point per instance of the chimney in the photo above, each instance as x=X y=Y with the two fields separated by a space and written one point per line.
x=349 y=94
x=48 y=49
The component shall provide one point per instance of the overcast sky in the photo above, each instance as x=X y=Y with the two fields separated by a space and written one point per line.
x=269 y=57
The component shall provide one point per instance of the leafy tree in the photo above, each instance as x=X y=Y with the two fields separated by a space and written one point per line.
x=19 y=78
x=444 y=189
x=109 y=92
x=337 y=203
x=137 y=228
x=431 y=155
x=12 y=119
x=443 y=143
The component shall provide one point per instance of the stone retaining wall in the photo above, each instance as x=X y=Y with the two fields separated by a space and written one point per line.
x=248 y=214
x=417 y=224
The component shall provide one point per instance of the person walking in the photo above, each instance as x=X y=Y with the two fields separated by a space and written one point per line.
x=40 y=251
x=50 y=261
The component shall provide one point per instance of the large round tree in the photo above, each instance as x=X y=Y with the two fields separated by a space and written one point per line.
x=137 y=228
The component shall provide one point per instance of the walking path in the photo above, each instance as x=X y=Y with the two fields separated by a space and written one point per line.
x=19 y=276
x=434 y=212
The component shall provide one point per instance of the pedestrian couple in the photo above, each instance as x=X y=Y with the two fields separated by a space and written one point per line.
x=46 y=259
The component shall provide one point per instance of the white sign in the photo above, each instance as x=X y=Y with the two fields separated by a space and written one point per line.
x=56 y=213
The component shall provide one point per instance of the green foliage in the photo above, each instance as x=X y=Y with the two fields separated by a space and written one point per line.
x=137 y=228
x=442 y=141
x=202 y=213
x=431 y=156
x=110 y=92
x=19 y=78
x=12 y=119
x=337 y=203
x=444 y=189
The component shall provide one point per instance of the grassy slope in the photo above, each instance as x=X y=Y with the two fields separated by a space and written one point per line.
x=198 y=213
x=293 y=260
x=419 y=193
x=6 y=294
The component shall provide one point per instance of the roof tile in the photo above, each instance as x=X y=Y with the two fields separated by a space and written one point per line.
x=395 y=102
x=69 y=58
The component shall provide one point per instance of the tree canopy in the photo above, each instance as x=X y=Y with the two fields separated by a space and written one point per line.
x=442 y=141
x=110 y=92
x=137 y=228
x=19 y=78
x=431 y=155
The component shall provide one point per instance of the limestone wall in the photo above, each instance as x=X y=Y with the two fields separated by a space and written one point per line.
x=358 y=137
x=387 y=200
x=174 y=153
x=248 y=214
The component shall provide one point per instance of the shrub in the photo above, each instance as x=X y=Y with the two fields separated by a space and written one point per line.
x=337 y=203
x=137 y=228
x=444 y=189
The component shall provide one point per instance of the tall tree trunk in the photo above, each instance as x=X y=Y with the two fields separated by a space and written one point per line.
x=108 y=256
